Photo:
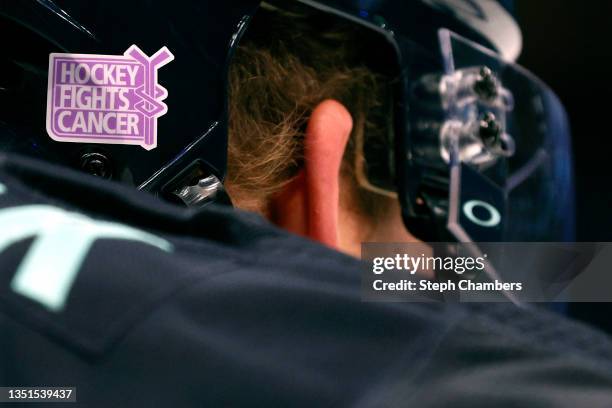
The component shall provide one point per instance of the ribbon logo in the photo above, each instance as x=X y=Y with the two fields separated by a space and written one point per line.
x=112 y=99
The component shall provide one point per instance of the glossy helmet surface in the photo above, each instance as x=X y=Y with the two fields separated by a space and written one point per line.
x=202 y=35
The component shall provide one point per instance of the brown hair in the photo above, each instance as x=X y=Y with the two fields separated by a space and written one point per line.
x=287 y=64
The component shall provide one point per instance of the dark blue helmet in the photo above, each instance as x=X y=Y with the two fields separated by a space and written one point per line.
x=137 y=92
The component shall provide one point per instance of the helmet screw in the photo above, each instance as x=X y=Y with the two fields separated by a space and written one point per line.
x=96 y=164
x=490 y=130
x=486 y=85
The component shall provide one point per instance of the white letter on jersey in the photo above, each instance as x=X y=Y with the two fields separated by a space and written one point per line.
x=62 y=241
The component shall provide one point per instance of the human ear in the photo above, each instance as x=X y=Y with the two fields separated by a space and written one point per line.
x=309 y=204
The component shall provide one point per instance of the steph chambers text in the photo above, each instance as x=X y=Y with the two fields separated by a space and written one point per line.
x=462 y=285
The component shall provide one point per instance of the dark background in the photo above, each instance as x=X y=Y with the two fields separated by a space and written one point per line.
x=569 y=45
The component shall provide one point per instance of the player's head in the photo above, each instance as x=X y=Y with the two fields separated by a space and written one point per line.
x=470 y=145
x=312 y=91
x=302 y=98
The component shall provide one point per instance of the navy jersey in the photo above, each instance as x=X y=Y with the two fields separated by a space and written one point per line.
x=140 y=303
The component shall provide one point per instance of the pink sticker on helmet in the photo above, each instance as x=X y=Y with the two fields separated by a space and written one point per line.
x=112 y=99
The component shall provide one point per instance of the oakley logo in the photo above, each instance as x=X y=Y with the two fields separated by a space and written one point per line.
x=61 y=243
x=493 y=219
x=112 y=99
